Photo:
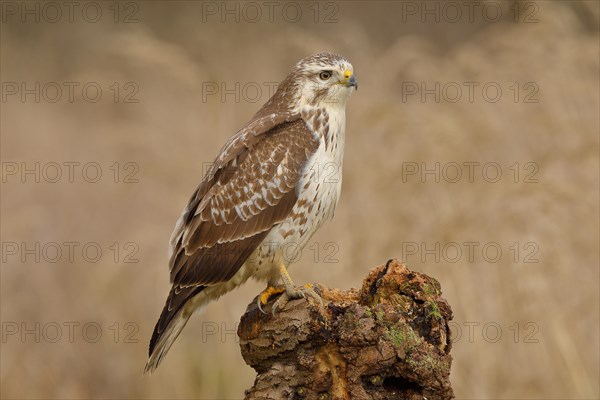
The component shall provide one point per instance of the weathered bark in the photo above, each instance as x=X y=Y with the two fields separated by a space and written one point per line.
x=388 y=340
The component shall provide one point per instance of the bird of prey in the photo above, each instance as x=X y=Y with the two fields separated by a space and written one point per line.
x=269 y=189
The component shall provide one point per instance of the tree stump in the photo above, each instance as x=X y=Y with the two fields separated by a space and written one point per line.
x=388 y=340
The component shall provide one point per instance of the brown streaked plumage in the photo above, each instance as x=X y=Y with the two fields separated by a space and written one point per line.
x=259 y=196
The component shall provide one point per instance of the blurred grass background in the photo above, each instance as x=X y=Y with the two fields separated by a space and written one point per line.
x=171 y=53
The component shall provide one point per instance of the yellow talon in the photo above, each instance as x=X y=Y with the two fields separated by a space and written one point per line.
x=268 y=292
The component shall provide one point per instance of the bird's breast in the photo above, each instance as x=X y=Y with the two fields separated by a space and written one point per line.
x=318 y=191
x=321 y=181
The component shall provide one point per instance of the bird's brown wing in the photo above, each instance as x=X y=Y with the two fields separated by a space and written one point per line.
x=251 y=188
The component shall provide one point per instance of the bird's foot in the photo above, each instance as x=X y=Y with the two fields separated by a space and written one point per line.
x=305 y=291
x=266 y=294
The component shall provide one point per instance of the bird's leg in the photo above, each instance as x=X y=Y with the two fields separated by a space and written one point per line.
x=266 y=294
x=292 y=292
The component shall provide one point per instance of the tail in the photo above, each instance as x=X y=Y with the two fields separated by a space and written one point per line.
x=174 y=316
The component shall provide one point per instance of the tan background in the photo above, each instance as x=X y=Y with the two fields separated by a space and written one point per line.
x=171 y=54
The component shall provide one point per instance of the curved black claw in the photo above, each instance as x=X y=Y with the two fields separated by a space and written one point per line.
x=264 y=297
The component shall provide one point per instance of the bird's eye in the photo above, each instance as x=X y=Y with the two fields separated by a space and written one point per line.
x=324 y=75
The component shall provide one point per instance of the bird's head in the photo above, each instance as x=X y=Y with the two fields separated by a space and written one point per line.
x=321 y=80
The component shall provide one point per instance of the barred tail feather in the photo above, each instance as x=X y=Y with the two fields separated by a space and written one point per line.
x=174 y=317
x=165 y=341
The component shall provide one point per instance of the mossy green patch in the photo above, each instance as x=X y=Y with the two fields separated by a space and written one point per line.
x=433 y=311
x=403 y=337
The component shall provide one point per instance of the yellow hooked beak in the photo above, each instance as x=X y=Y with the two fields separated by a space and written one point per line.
x=350 y=79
